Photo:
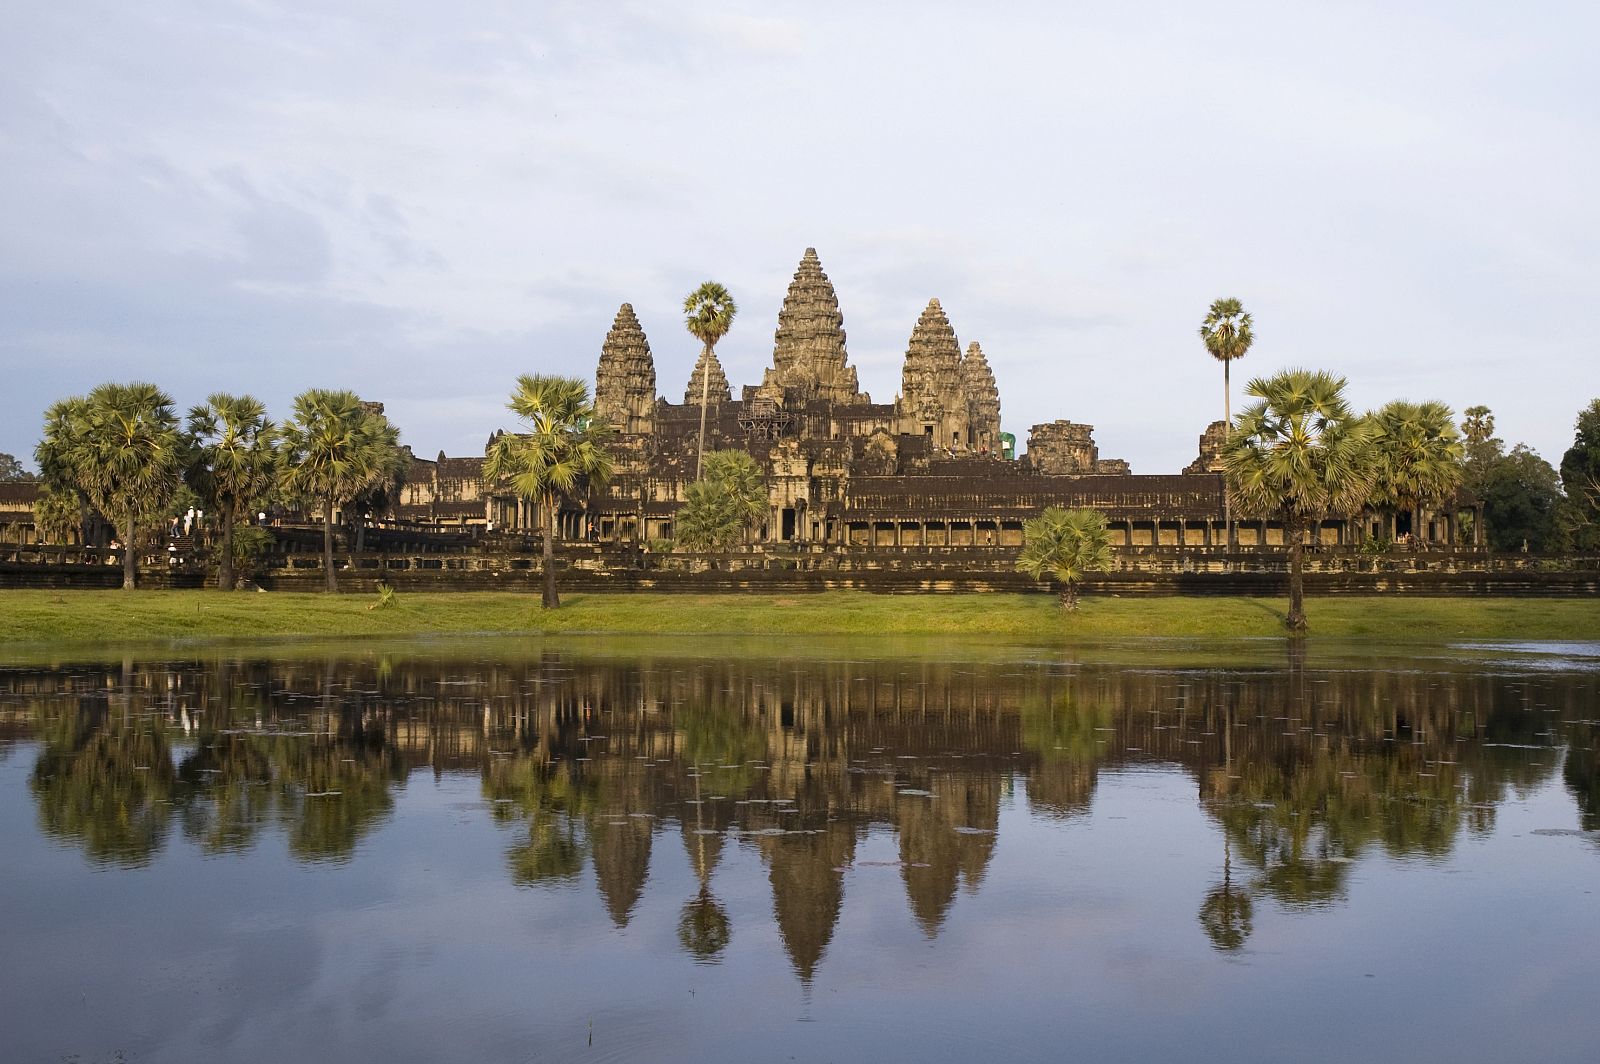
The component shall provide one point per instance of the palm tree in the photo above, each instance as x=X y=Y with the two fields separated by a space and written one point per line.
x=57 y=513
x=708 y=314
x=386 y=476
x=1226 y=332
x=1066 y=544
x=565 y=446
x=122 y=450
x=1299 y=454
x=1477 y=422
x=234 y=463
x=1421 y=458
x=332 y=450
x=725 y=504
x=1228 y=912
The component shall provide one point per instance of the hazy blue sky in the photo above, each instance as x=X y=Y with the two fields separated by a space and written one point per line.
x=419 y=201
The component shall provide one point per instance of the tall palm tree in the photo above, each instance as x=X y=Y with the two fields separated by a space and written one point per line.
x=1227 y=334
x=1228 y=912
x=708 y=315
x=1066 y=544
x=565 y=446
x=1477 y=422
x=1421 y=458
x=121 y=448
x=1299 y=454
x=233 y=464
x=332 y=449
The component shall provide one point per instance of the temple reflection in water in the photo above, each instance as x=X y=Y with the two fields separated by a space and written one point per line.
x=592 y=762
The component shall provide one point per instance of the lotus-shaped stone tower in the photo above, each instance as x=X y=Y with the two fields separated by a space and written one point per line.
x=625 y=381
x=808 y=354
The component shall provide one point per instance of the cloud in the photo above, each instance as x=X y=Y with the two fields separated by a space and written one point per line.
x=264 y=196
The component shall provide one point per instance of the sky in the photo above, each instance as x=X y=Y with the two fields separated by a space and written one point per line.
x=421 y=201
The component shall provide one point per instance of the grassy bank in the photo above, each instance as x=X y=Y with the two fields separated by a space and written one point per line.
x=116 y=617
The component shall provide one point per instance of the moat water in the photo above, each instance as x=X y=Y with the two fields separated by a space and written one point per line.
x=708 y=850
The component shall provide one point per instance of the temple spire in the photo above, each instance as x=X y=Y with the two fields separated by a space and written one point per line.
x=983 y=401
x=719 y=393
x=808 y=353
x=625 y=380
x=932 y=401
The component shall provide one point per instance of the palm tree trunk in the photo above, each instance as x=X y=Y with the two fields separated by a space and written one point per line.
x=130 y=556
x=705 y=398
x=551 y=599
x=225 y=564
x=1069 y=595
x=1227 y=420
x=330 y=582
x=1294 y=528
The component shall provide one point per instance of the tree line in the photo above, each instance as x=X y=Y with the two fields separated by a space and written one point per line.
x=1301 y=454
x=122 y=453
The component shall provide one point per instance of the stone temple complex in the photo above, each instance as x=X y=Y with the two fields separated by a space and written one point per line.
x=930 y=469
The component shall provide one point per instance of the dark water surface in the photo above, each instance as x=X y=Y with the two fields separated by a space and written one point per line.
x=706 y=850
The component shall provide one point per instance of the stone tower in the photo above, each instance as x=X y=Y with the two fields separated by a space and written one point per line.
x=1063 y=448
x=983 y=401
x=808 y=355
x=1211 y=441
x=720 y=392
x=932 y=400
x=625 y=381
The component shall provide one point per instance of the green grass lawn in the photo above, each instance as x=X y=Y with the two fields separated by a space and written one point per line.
x=117 y=617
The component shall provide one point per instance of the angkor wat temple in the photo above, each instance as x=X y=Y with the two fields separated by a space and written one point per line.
x=930 y=469
x=930 y=474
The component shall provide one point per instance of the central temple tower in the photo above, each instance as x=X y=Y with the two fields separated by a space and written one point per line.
x=808 y=355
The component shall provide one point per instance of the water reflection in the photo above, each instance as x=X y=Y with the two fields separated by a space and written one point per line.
x=589 y=763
